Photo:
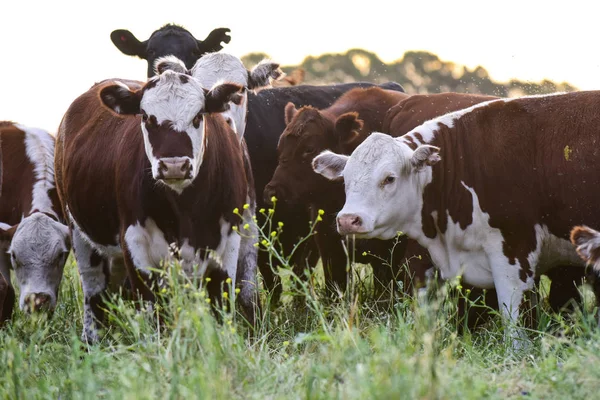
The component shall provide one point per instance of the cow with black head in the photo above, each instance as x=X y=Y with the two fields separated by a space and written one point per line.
x=172 y=40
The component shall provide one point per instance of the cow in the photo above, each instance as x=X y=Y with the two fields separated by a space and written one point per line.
x=264 y=125
x=214 y=68
x=33 y=235
x=170 y=39
x=147 y=168
x=338 y=127
x=491 y=191
x=296 y=77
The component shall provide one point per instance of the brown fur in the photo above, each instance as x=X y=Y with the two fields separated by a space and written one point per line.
x=105 y=180
x=517 y=166
x=311 y=131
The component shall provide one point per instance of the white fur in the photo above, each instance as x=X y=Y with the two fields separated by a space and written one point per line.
x=39 y=146
x=147 y=245
x=177 y=102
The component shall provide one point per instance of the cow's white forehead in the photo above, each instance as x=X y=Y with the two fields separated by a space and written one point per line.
x=174 y=99
x=214 y=67
x=377 y=151
x=38 y=238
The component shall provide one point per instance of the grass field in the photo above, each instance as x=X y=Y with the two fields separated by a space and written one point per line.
x=349 y=349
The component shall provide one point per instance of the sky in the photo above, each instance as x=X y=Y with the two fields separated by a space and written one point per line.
x=53 y=51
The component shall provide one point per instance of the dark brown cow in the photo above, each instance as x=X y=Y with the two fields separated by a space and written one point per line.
x=34 y=240
x=134 y=188
x=310 y=131
x=491 y=191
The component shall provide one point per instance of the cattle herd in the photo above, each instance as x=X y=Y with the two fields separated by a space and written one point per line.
x=498 y=191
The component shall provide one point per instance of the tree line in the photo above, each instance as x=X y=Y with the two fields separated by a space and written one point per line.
x=416 y=71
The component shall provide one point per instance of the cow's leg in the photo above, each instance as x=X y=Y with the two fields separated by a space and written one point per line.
x=563 y=286
x=510 y=289
x=94 y=273
x=7 y=292
x=246 y=276
x=334 y=260
x=141 y=246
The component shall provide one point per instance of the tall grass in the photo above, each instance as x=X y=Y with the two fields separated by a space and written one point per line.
x=307 y=348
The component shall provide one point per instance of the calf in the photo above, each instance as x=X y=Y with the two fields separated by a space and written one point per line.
x=338 y=127
x=164 y=171
x=172 y=40
x=33 y=237
x=491 y=191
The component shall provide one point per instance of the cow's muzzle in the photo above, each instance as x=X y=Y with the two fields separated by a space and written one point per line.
x=174 y=169
x=348 y=224
x=36 y=302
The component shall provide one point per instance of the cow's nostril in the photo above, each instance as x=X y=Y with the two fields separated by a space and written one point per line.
x=162 y=167
x=37 y=301
x=186 y=166
x=356 y=221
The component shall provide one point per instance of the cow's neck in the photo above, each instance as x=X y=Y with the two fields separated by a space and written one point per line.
x=39 y=148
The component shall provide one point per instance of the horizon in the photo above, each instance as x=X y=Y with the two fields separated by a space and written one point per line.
x=543 y=41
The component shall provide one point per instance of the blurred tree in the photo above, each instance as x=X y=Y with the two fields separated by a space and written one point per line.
x=417 y=71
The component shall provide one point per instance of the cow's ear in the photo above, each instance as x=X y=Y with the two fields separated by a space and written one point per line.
x=7 y=233
x=425 y=155
x=330 y=165
x=217 y=99
x=122 y=100
x=290 y=112
x=129 y=44
x=260 y=76
x=347 y=127
x=587 y=242
x=213 y=41
x=169 y=63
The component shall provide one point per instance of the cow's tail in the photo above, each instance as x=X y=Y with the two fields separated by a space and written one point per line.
x=587 y=242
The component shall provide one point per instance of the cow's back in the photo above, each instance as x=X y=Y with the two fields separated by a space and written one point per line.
x=17 y=175
x=266 y=120
x=85 y=162
x=415 y=110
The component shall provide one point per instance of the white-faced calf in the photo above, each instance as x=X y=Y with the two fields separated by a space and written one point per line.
x=34 y=241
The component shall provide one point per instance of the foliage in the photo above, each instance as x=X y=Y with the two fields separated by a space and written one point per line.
x=307 y=348
x=417 y=72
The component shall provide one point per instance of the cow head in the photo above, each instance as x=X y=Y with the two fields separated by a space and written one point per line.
x=217 y=67
x=308 y=133
x=384 y=181
x=39 y=246
x=169 y=40
x=173 y=105
x=587 y=242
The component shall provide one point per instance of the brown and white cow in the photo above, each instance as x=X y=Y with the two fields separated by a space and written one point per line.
x=166 y=170
x=491 y=191
x=33 y=237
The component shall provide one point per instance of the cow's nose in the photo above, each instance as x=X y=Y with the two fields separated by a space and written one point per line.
x=269 y=192
x=35 y=302
x=174 y=168
x=349 y=223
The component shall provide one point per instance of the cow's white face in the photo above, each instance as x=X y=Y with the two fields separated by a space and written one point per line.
x=384 y=181
x=173 y=105
x=38 y=251
x=173 y=127
x=214 y=68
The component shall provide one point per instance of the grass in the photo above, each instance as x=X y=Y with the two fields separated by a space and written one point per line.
x=307 y=348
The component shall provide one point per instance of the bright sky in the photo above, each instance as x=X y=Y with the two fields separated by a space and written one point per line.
x=52 y=51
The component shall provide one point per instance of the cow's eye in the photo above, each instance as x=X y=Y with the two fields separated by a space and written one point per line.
x=388 y=180
x=309 y=151
x=144 y=116
x=197 y=119
x=13 y=258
